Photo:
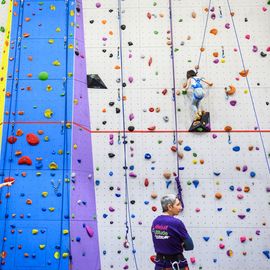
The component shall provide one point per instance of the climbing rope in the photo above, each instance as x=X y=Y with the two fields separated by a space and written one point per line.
x=204 y=33
x=65 y=171
x=128 y=214
x=249 y=88
x=175 y=136
x=14 y=94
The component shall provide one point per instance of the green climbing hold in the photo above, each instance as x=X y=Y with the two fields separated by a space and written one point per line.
x=43 y=76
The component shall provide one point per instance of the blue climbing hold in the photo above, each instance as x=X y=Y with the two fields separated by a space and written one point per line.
x=97 y=182
x=131 y=167
x=267 y=254
x=252 y=174
x=117 y=195
x=146 y=202
x=228 y=232
x=236 y=148
x=187 y=148
x=195 y=183
x=168 y=182
x=110 y=173
x=232 y=188
x=105 y=215
x=147 y=156
x=219 y=209
x=206 y=238
x=181 y=168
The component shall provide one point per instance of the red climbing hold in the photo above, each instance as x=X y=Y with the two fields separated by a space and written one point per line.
x=32 y=139
x=25 y=160
x=9 y=179
x=146 y=182
x=150 y=61
x=12 y=139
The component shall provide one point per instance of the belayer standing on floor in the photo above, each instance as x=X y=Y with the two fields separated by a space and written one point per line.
x=170 y=236
x=198 y=92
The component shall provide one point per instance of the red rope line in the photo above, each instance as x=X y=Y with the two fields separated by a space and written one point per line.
x=135 y=131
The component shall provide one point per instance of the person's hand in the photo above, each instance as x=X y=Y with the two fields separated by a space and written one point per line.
x=197 y=67
x=9 y=184
x=210 y=84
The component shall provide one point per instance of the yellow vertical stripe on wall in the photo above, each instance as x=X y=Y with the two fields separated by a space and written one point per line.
x=4 y=68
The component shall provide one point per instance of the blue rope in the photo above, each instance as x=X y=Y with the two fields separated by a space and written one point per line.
x=17 y=50
x=249 y=88
x=204 y=32
x=175 y=140
x=128 y=215
x=65 y=142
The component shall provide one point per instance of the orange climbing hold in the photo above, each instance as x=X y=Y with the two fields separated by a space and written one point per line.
x=231 y=90
x=117 y=67
x=215 y=54
x=218 y=195
x=26 y=35
x=28 y=201
x=104 y=21
x=19 y=132
x=244 y=73
x=228 y=128
x=214 y=31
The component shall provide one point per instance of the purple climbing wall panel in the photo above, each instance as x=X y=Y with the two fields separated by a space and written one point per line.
x=84 y=235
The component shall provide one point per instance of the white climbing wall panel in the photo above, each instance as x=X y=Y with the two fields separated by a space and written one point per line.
x=3 y=21
x=136 y=65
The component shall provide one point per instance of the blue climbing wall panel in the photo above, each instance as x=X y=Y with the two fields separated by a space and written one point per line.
x=34 y=217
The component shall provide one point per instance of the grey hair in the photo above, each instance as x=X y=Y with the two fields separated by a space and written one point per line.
x=166 y=200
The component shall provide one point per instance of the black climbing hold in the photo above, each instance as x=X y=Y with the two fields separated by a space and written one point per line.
x=104 y=50
x=130 y=43
x=111 y=222
x=124 y=84
x=94 y=81
x=111 y=55
x=104 y=122
x=202 y=125
x=263 y=54
x=123 y=27
x=111 y=103
x=77 y=52
x=111 y=155
x=131 y=141
x=111 y=188
x=91 y=21
x=131 y=128
x=119 y=251
x=117 y=110
x=125 y=167
x=246 y=19
x=110 y=10
x=267 y=103
x=132 y=202
x=125 y=142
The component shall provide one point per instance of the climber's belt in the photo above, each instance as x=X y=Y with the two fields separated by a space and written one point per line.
x=166 y=257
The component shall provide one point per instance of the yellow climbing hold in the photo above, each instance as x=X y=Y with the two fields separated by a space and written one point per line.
x=60 y=152
x=51 y=41
x=245 y=91
x=75 y=146
x=34 y=231
x=52 y=7
x=194 y=161
x=49 y=88
x=56 y=63
x=65 y=232
x=223 y=60
x=68 y=125
x=58 y=29
x=48 y=113
x=72 y=13
x=53 y=166
x=56 y=255
x=65 y=255
x=70 y=74
x=51 y=209
x=70 y=46
x=42 y=246
x=44 y=194
x=75 y=101
x=46 y=138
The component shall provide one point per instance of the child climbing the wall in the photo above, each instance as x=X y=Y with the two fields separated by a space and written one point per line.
x=7 y=184
x=198 y=92
x=170 y=236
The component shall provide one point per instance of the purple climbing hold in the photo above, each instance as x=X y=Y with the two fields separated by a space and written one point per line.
x=255 y=48
x=111 y=209
x=133 y=175
x=130 y=79
x=89 y=231
x=214 y=136
x=131 y=117
x=98 y=5
x=244 y=169
x=233 y=102
x=241 y=216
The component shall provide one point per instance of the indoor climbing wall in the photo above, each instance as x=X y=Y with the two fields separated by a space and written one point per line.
x=141 y=50
x=35 y=211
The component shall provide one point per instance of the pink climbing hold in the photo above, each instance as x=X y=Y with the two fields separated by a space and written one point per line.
x=32 y=139
x=268 y=49
x=243 y=239
x=149 y=16
x=130 y=79
x=247 y=36
x=131 y=117
x=89 y=231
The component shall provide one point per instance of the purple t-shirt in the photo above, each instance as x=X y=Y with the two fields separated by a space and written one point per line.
x=168 y=235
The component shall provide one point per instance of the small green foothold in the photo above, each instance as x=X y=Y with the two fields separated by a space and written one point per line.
x=195 y=155
x=156 y=73
x=268 y=3
x=97 y=168
x=189 y=182
x=72 y=215
x=155 y=32
x=35 y=107
x=189 y=61
x=184 y=92
x=159 y=141
x=176 y=50
x=179 y=110
x=180 y=20
x=154 y=4
x=118 y=237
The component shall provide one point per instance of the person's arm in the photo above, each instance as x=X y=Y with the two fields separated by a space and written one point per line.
x=186 y=85
x=207 y=82
x=6 y=184
x=188 y=244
